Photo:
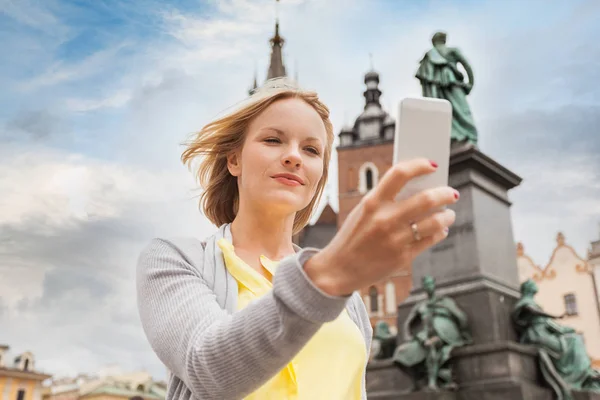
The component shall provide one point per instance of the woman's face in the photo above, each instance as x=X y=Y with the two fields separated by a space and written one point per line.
x=281 y=161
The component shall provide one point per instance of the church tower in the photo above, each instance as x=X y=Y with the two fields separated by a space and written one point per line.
x=276 y=65
x=365 y=153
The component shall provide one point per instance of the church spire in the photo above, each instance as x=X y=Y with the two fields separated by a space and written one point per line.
x=372 y=94
x=254 y=84
x=276 y=67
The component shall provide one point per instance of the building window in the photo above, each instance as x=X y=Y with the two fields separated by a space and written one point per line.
x=373 y=299
x=368 y=175
x=570 y=304
x=369 y=178
x=21 y=394
x=390 y=298
x=26 y=365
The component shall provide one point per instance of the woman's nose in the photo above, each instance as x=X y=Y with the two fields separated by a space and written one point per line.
x=292 y=158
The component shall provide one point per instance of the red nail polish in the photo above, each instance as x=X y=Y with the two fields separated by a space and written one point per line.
x=456 y=194
x=433 y=164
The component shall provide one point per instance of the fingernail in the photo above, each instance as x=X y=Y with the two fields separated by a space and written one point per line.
x=456 y=194
x=433 y=164
x=446 y=229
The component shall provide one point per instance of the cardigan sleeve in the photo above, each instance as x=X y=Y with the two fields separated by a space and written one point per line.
x=222 y=355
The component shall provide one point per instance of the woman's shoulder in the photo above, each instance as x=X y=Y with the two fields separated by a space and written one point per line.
x=172 y=252
x=181 y=245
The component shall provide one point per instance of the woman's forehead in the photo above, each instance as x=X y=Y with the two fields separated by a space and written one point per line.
x=291 y=117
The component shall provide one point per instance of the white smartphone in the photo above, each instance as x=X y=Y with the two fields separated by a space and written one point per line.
x=423 y=129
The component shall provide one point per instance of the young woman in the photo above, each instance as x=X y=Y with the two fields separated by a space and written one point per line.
x=246 y=313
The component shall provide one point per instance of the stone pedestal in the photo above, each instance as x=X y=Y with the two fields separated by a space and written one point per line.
x=476 y=265
x=386 y=382
x=493 y=371
x=500 y=370
x=383 y=379
x=480 y=245
x=586 y=396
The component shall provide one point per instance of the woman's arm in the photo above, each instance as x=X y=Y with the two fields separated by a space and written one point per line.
x=218 y=355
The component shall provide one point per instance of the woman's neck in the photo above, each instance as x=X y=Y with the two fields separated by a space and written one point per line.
x=262 y=233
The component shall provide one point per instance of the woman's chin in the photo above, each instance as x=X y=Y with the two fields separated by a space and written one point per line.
x=287 y=203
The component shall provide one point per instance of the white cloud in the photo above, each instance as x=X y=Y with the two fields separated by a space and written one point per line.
x=33 y=15
x=70 y=188
x=61 y=71
x=72 y=228
x=116 y=100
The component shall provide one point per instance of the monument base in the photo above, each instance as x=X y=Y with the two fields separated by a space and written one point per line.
x=586 y=396
x=487 y=303
x=383 y=379
x=491 y=371
x=416 y=396
x=500 y=370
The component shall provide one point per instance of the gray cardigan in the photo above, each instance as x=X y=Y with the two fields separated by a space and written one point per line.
x=187 y=302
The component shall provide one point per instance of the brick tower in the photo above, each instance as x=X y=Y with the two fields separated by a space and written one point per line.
x=364 y=155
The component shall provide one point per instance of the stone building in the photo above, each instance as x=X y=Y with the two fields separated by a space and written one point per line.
x=106 y=385
x=19 y=379
x=566 y=286
x=594 y=261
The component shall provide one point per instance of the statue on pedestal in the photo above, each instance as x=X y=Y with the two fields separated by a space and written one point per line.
x=433 y=328
x=441 y=79
x=563 y=358
x=384 y=342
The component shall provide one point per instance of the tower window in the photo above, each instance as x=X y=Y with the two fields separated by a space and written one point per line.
x=570 y=304
x=26 y=365
x=373 y=298
x=390 y=298
x=21 y=394
x=369 y=178
x=368 y=175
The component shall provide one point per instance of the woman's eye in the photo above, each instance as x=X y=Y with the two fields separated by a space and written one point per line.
x=313 y=150
x=272 y=140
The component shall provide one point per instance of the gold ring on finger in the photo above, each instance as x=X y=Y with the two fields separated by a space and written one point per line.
x=415 y=232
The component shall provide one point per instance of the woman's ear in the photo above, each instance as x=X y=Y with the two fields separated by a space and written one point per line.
x=233 y=164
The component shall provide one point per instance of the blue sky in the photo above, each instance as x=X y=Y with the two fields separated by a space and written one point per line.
x=97 y=96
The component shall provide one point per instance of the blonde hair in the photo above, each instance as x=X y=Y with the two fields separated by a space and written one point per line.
x=220 y=198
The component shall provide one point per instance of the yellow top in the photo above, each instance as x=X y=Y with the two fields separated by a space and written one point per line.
x=331 y=364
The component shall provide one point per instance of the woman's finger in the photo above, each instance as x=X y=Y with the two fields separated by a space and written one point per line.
x=417 y=247
x=398 y=175
x=424 y=203
x=431 y=226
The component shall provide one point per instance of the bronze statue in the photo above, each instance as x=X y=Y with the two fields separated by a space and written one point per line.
x=439 y=326
x=441 y=79
x=384 y=342
x=563 y=358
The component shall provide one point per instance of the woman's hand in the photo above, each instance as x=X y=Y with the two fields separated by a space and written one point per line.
x=376 y=240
